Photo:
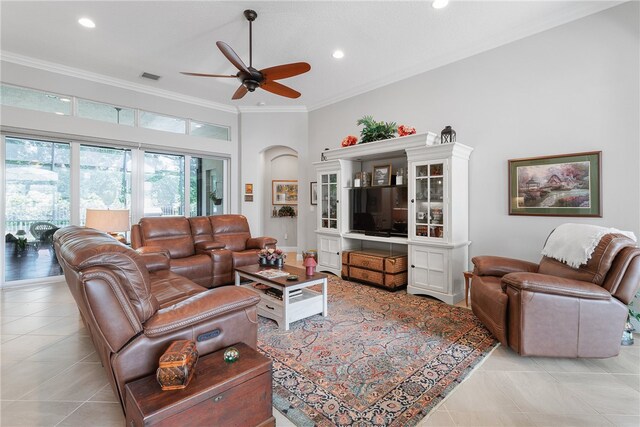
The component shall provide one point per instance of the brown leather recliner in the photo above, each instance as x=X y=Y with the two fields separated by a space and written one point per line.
x=133 y=306
x=551 y=309
x=204 y=249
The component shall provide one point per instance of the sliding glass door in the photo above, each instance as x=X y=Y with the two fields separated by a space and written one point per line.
x=37 y=202
x=163 y=184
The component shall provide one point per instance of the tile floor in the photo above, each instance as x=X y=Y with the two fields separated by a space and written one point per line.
x=50 y=376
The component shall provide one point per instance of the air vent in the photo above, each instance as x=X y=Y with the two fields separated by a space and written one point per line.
x=149 y=76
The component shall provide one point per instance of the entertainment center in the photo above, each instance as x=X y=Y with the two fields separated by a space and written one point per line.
x=427 y=218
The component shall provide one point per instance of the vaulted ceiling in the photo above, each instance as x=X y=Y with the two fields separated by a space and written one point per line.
x=383 y=41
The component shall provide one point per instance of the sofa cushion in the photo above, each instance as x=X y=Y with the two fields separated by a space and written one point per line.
x=198 y=268
x=232 y=230
x=170 y=288
x=200 y=229
x=595 y=270
x=171 y=233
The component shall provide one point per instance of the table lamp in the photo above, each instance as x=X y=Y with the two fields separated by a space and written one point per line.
x=110 y=221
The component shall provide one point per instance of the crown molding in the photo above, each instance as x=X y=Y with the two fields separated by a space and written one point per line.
x=589 y=8
x=273 y=109
x=111 y=81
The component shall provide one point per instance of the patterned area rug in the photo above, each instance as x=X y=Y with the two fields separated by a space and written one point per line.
x=378 y=359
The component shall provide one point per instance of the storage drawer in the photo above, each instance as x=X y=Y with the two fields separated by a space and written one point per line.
x=363 y=260
x=375 y=277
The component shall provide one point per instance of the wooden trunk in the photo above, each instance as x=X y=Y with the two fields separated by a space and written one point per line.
x=220 y=394
x=376 y=268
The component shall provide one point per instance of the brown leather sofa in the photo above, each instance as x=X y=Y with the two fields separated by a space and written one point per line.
x=204 y=249
x=133 y=306
x=551 y=309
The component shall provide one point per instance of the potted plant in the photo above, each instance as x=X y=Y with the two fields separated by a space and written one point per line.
x=272 y=256
x=214 y=198
x=287 y=211
x=375 y=131
x=627 y=335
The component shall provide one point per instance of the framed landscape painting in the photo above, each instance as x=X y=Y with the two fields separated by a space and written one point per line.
x=284 y=192
x=561 y=185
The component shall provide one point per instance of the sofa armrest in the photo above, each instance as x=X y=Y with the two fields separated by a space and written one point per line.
x=499 y=266
x=155 y=258
x=553 y=285
x=209 y=245
x=199 y=308
x=261 y=242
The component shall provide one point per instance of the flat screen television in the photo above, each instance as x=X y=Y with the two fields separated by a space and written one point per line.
x=380 y=211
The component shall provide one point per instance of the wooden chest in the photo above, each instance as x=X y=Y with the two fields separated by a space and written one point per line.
x=220 y=394
x=376 y=268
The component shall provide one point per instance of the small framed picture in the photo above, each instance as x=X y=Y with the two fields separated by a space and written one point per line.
x=284 y=192
x=381 y=175
x=248 y=197
x=314 y=193
x=248 y=189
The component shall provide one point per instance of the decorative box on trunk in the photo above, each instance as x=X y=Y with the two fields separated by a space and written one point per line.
x=177 y=365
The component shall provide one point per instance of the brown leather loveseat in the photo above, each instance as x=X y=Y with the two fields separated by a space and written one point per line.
x=552 y=309
x=133 y=306
x=205 y=249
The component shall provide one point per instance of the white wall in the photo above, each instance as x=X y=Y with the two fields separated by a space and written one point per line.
x=260 y=131
x=570 y=89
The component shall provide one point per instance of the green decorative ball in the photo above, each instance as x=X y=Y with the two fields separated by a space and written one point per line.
x=231 y=355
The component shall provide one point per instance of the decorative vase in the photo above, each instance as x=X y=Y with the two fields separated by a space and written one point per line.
x=262 y=261
x=272 y=262
x=279 y=262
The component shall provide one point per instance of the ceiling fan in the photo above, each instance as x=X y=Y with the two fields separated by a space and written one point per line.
x=252 y=78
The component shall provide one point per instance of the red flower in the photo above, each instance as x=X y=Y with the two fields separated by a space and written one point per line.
x=349 y=140
x=406 y=130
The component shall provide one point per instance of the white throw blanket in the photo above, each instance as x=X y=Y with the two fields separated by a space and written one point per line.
x=574 y=244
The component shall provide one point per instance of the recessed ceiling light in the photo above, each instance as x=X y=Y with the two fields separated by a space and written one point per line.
x=65 y=100
x=86 y=22
x=338 y=54
x=439 y=4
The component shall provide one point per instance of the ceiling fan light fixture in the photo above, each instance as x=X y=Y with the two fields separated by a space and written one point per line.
x=86 y=22
x=439 y=4
x=338 y=54
x=251 y=85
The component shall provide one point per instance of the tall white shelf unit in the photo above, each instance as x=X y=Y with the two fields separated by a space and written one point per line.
x=438 y=210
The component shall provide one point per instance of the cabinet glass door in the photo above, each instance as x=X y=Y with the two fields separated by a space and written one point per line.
x=429 y=187
x=329 y=201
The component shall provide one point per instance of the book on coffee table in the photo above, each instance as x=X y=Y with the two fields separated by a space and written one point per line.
x=271 y=274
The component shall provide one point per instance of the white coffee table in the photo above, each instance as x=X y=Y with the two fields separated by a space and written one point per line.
x=289 y=309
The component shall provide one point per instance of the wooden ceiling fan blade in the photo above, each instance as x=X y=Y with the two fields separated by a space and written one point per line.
x=285 y=71
x=242 y=91
x=206 y=75
x=232 y=56
x=280 y=89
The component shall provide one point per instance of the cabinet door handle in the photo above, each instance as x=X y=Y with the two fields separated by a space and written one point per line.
x=337 y=253
x=270 y=308
x=413 y=266
x=412 y=201
x=337 y=201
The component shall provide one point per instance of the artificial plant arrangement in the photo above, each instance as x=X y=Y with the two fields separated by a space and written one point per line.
x=287 y=211
x=404 y=130
x=375 y=131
